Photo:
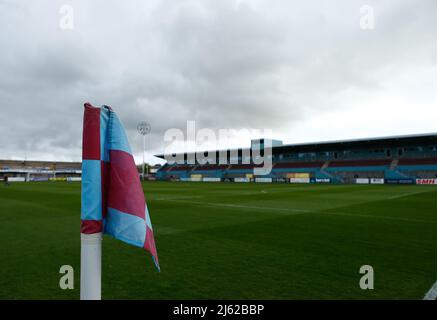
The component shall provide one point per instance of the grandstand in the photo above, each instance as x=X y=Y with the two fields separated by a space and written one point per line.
x=24 y=171
x=21 y=170
x=393 y=160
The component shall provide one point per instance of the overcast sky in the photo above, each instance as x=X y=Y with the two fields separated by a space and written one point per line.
x=306 y=69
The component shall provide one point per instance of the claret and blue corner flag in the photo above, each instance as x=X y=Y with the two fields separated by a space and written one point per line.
x=113 y=201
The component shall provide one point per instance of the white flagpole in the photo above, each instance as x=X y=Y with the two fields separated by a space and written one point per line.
x=91 y=266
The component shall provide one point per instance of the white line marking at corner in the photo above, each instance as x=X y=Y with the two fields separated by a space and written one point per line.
x=432 y=293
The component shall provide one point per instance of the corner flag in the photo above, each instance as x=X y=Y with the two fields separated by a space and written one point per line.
x=112 y=197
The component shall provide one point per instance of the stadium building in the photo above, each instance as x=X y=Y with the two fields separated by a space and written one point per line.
x=19 y=170
x=24 y=171
x=394 y=160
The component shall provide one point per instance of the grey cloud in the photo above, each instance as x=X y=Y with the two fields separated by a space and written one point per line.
x=255 y=64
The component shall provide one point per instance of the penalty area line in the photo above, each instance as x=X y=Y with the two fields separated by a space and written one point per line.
x=402 y=195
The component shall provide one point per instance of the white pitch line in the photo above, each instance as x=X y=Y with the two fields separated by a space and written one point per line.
x=302 y=211
x=432 y=293
x=409 y=194
x=210 y=204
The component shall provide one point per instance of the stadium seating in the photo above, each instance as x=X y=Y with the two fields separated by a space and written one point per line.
x=181 y=168
x=360 y=163
x=312 y=164
x=417 y=161
x=337 y=170
x=244 y=166
x=208 y=167
x=342 y=161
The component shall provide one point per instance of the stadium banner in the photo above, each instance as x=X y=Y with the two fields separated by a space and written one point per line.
x=263 y=180
x=74 y=179
x=36 y=179
x=196 y=177
x=299 y=180
x=17 y=179
x=376 y=181
x=58 y=179
x=185 y=179
x=241 y=180
x=292 y=175
x=322 y=180
x=399 y=181
x=362 y=181
x=426 y=181
x=207 y=179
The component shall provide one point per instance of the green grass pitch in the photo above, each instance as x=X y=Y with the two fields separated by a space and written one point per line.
x=230 y=241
